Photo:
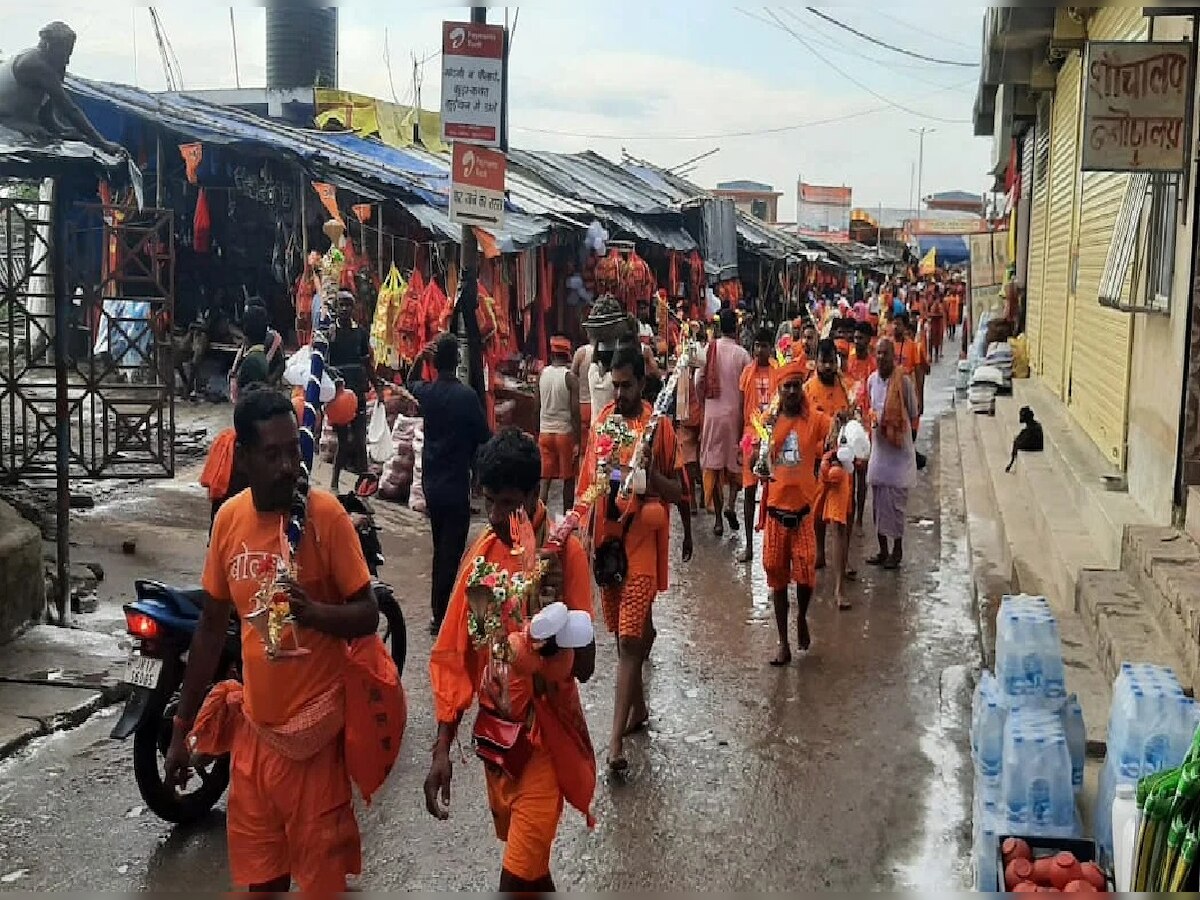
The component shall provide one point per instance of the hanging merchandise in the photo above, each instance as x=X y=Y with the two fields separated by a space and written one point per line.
x=384 y=335
x=192 y=154
x=306 y=290
x=202 y=224
x=362 y=211
x=327 y=194
x=607 y=274
x=409 y=326
x=437 y=309
x=696 y=278
x=636 y=281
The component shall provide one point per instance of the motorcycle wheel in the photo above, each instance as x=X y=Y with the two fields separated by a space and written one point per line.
x=150 y=744
x=396 y=633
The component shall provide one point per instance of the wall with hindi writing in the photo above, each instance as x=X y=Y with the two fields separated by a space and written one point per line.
x=1156 y=363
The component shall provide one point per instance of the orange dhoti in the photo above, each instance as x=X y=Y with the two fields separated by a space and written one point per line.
x=291 y=817
x=689 y=444
x=558 y=455
x=789 y=554
x=526 y=814
x=627 y=608
x=835 y=498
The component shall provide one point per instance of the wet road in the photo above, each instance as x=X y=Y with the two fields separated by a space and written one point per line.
x=846 y=770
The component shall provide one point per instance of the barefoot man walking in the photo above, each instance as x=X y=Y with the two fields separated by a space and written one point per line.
x=722 y=432
x=789 y=543
x=640 y=525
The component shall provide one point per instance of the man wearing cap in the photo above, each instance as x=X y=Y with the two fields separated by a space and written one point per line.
x=560 y=426
x=350 y=354
x=798 y=439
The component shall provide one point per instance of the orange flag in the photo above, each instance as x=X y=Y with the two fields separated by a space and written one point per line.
x=192 y=154
x=362 y=211
x=328 y=195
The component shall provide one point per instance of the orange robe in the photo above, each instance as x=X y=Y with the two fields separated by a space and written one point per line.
x=758 y=390
x=541 y=690
x=648 y=539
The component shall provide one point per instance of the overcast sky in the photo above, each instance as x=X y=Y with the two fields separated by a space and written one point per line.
x=665 y=80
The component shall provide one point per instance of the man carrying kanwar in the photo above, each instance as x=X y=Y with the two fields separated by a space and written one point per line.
x=530 y=725
x=798 y=438
x=721 y=435
x=633 y=528
x=292 y=724
x=893 y=466
x=757 y=387
x=859 y=366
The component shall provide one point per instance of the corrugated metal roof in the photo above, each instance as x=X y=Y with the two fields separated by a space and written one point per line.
x=662 y=230
x=413 y=177
x=23 y=157
x=591 y=178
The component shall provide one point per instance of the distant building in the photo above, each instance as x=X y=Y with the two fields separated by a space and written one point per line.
x=956 y=201
x=753 y=197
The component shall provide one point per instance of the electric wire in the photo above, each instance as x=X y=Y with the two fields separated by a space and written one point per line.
x=874 y=40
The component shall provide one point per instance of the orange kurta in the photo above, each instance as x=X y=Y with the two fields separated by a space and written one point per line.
x=758 y=390
x=526 y=812
x=837 y=490
x=648 y=539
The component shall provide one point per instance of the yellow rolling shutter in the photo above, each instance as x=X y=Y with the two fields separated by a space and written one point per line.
x=1060 y=221
x=1101 y=338
x=1034 y=282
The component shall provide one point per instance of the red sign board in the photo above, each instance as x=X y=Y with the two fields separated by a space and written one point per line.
x=472 y=82
x=477 y=185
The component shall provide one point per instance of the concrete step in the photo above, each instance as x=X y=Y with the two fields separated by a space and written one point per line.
x=1122 y=626
x=1078 y=466
x=1043 y=524
x=1007 y=558
x=1164 y=564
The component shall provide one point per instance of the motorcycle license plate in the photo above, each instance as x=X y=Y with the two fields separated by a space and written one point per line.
x=143 y=671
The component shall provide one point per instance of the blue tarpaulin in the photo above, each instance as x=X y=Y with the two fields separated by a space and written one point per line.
x=951 y=248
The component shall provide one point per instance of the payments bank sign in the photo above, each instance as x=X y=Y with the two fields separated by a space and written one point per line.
x=1137 y=106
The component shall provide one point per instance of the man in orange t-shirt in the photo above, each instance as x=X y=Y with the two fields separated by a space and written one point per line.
x=539 y=685
x=798 y=439
x=642 y=523
x=290 y=815
x=757 y=389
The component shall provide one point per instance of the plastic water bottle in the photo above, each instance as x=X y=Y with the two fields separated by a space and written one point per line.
x=1038 y=797
x=1124 y=816
x=987 y=828
x=1073 y=726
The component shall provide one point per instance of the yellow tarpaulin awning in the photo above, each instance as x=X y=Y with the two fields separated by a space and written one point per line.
x=369 y=117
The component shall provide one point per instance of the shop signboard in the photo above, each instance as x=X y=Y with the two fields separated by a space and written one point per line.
x=823 y=212
x=477 y=185
x=472 y=83
x=1137 y=106
x=983 y=264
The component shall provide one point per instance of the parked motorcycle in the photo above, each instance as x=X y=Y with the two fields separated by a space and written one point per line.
x=162 y=620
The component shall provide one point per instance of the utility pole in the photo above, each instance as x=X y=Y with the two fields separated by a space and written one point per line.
x=921 y=132
x=468 y=275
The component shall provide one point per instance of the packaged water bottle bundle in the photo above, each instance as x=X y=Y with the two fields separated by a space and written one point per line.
x=1027 y=736
x=1150 y=727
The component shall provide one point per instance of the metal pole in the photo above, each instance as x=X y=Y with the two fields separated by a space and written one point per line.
x=379 y=247
x=468 y=282
x=158 y=170
x=304 y=216
x=62 y=427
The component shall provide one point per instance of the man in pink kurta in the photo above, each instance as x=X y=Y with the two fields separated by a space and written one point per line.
x=718 y=383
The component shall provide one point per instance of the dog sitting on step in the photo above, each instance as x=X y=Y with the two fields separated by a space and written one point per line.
x=1028 y=439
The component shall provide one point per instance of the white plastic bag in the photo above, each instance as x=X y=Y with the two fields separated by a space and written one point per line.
x=297 y=371
x=379 y=438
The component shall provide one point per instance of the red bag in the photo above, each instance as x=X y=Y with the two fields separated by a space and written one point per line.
x=376 y=714
x=501 y=744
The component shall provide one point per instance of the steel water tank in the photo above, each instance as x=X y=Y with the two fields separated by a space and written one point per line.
x=302 y=44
